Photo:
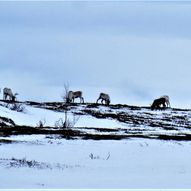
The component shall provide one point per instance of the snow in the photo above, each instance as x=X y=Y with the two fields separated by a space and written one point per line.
x=83 y=164
x=87 y=121
x=33 y=115
x=134 y=163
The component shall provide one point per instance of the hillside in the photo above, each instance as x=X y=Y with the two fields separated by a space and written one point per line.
x=52 y=145
x=93 y=121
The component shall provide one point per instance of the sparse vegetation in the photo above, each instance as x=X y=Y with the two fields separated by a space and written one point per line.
x=17 y=107
x=41 y=123
x=61 y=124
x=138 y=122
x=66 y=123
x=92 y=156
x=17 y=163
x=65 y=92
x=96 y=157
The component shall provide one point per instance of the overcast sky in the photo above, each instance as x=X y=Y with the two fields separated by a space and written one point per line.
x=135 y=51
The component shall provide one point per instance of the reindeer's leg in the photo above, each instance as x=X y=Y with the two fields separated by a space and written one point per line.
x=13 y=98
x=82 y=99
x=5 y=96
x=71 y=100
x=67 y=100
x=98 y=100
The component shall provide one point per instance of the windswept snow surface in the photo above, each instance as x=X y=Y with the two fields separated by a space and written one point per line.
x=49 y=161
x=59 y=163
x=31 y=117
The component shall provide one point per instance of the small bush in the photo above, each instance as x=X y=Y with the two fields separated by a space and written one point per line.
x=17 y=107
x=41 y=123
x=94 y=157
x=62 y=124
x=66 y=123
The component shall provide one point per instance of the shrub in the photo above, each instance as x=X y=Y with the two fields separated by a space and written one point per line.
x=17 y=107
x=41 y=123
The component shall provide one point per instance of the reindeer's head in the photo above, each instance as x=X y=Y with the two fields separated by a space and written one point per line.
x=68 y=100
x=14 y=97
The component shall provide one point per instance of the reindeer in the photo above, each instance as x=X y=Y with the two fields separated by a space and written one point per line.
x=167 y=100
x=7 y=93
x=158 y=102
x=104 y=97
x=72 y=95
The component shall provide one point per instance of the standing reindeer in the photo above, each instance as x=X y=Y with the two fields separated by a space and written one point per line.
x=104 y=97
x=72 y=95
x=7 y=93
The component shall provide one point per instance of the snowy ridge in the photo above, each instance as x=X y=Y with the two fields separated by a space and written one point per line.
x=93 y=121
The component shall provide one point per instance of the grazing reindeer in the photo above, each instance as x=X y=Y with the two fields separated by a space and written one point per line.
x=104 y=97
x=158 y=102
x=7 y=93
x=72 y=95
x=167 y=100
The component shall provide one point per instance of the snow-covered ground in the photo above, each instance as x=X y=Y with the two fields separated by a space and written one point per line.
x=58 y=163
x=31 y=117
x=49 y=161
x=145 y=121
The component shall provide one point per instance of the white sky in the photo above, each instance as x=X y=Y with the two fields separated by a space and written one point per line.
x=135 y=51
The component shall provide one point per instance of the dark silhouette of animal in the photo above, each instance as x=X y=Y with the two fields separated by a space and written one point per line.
x=158 y=102
x=72 y=95
x=7 y=93
x=104 y=97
